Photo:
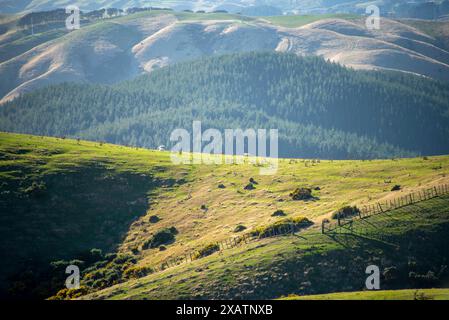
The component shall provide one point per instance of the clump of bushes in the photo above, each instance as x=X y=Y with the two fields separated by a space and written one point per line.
x=251 y=180
x=279 y=213
x=154 y=219
x=162 y=237
x=239 y=228
x=302 y=194
x=282 y=226
x=428 y=280
x=37 y=189
x=221 y=186
x=250 y=186
x=207 y=251
x=396 y=188
x=108 y=270
x=68 y=294
x=346 y=212
x=137 y=272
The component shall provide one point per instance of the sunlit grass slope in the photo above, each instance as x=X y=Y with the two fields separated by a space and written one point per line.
x=413 y=294
x=296 y=21
x=341 y=183
x=60 y=197
x=409 y=245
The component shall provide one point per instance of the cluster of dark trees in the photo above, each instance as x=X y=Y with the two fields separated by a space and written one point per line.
x=321 y=109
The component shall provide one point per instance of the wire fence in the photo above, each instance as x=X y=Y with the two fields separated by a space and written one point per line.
x=384 y=206
x=341 y=224
x=229 y=243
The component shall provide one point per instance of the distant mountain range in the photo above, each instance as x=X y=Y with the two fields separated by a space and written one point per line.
x=36 y=50
x=399 y=8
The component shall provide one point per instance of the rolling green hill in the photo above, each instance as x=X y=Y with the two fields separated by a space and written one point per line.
x=102 y=206
x=321 y=109
x=409 y=245
x=59 y=199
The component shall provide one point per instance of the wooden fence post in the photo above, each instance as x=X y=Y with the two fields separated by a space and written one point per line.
x=380 y=207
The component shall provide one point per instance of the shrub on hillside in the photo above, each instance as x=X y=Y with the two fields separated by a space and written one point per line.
x=154 y=219
x=279 y=213
x=137 y=272
x=396 y=188
x=239 y=228
x=207 y=251
x=428 y=280
x=68 y=294
x=37 y=189
x=282 y=226
x=250 y=186
x=302 y=194
x=251 y=180
x=346 y=212
x=162 y=237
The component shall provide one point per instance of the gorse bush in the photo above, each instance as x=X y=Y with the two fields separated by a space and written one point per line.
x=282 y=226
x=107 y=270
x=137 y=272
x=250 y=186
x=302 y=194
x=37 y=189
x=207 y=251
x=346 y=212
x=239 y=228
x=67 y=294
x=162 y=237
x=279 y=213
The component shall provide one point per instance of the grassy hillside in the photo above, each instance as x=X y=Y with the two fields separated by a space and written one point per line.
x=415 y=294
x=436 y=29
x=296 y=21
x=409 y=245
x=61 y=198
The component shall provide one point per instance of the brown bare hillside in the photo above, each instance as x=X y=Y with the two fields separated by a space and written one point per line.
x=124 y=47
